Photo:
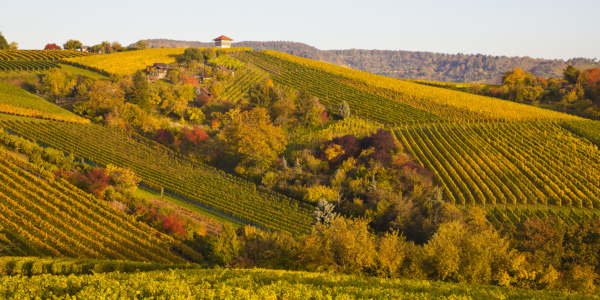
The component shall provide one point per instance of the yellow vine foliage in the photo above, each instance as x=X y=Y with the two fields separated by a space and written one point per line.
x=127 y=63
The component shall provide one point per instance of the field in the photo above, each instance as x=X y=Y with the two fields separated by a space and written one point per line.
x=199 y=184
x=251 y=284
x=42 y=216
x=40 y=55
x=127 y=63
x=14 y=100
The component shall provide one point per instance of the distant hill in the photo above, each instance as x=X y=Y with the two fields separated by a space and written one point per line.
x=410 y=64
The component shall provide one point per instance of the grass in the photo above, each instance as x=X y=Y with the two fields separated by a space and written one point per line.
x=146 y=193
x=83 y=72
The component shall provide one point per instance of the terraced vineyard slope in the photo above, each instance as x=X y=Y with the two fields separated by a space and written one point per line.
x=40 y=55
x=390 y=100
x=514 y=163
x=24 y=65
x=14 y=100
x=42 y=216
x=159 y=167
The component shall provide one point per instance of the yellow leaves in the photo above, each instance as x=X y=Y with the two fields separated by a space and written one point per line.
x=313 y=194
x=123 y=177
x=254 y=136
x=334 y=151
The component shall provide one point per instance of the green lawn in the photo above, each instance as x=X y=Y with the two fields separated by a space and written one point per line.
x=83 y=72
x=149 y=194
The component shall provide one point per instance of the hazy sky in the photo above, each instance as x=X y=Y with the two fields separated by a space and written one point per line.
x=540 y=29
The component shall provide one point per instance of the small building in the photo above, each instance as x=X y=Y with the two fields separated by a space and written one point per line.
x=84 y=48
x=204 y=92
x=159 y=70
x=225 y=70
x=223 y=42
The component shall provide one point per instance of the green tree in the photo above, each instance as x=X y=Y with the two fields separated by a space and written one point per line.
x=140 y=45
x=224 y=248
x=3 y=43
x=191 y=54
x=344 y=110
x=13 y=46
x=140 y=91
x=571 y=74
x=72 y=45
x=56 y=84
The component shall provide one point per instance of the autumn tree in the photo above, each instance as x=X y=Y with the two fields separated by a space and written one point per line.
x=102 y=97
x=13 y=46
x=52 y=47
x=590 y=80
x=517 y=77
x=3 y=43
x=123 y=178
x=72 y=45
x=164 y=136
x=195 y=135
x=56 y=84
x=254 y=137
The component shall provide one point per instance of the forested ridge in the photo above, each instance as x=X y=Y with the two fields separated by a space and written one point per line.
x=420 y=65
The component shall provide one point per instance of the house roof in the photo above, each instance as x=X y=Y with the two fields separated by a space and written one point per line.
x=223 y=68
x=205 y=90
x=223 y=38
x=160 y=66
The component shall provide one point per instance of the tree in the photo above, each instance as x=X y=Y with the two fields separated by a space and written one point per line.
x=194 y=136
x=124 y=178
x=3 y=43
x=297 y=167
x=344 y=110
x=140 y=45
x=56 y=84
x=324 y=213
x=571 y=74
x=52 y=47
x=517 y=77
x=116 y=46
x=140 y=91
x=13 y=46
x=224 y=248
x=103 y=96
x=72 y=45
x=254 y=137
x=164 y=136
x=191 y=54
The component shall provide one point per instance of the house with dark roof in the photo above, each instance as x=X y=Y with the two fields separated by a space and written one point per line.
x=223 y=42
x=158 y=71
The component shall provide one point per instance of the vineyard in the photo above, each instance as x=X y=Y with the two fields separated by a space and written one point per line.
x=40 y=55
x=42 y=216
x=587 y=129
x=159 y=167
x=390 y=100
x=127 y=63
x=252 y=284
x=16 y=101
x=20 y=65
x=236 y=88
x=515 y=163
x=32 y=266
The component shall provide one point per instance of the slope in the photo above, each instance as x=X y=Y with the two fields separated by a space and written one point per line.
x=42 y=216
x=199 y=184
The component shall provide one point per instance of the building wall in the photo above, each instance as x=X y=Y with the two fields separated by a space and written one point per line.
x=223 y=44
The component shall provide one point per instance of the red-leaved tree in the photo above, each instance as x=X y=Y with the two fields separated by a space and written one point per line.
x=164 y=136
x=195 y=135
x=96 y=181
x=191 y=80
x=52 y=47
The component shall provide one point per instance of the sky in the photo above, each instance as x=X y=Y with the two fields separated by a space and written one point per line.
x=539 y=29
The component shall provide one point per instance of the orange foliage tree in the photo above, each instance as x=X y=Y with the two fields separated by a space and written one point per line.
x=52 y=47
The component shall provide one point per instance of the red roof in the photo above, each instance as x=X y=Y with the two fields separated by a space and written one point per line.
x=223 y=38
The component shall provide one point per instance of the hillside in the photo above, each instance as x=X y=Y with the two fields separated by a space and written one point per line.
x=43 y=216
x=14 y=100
x=409 y=64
